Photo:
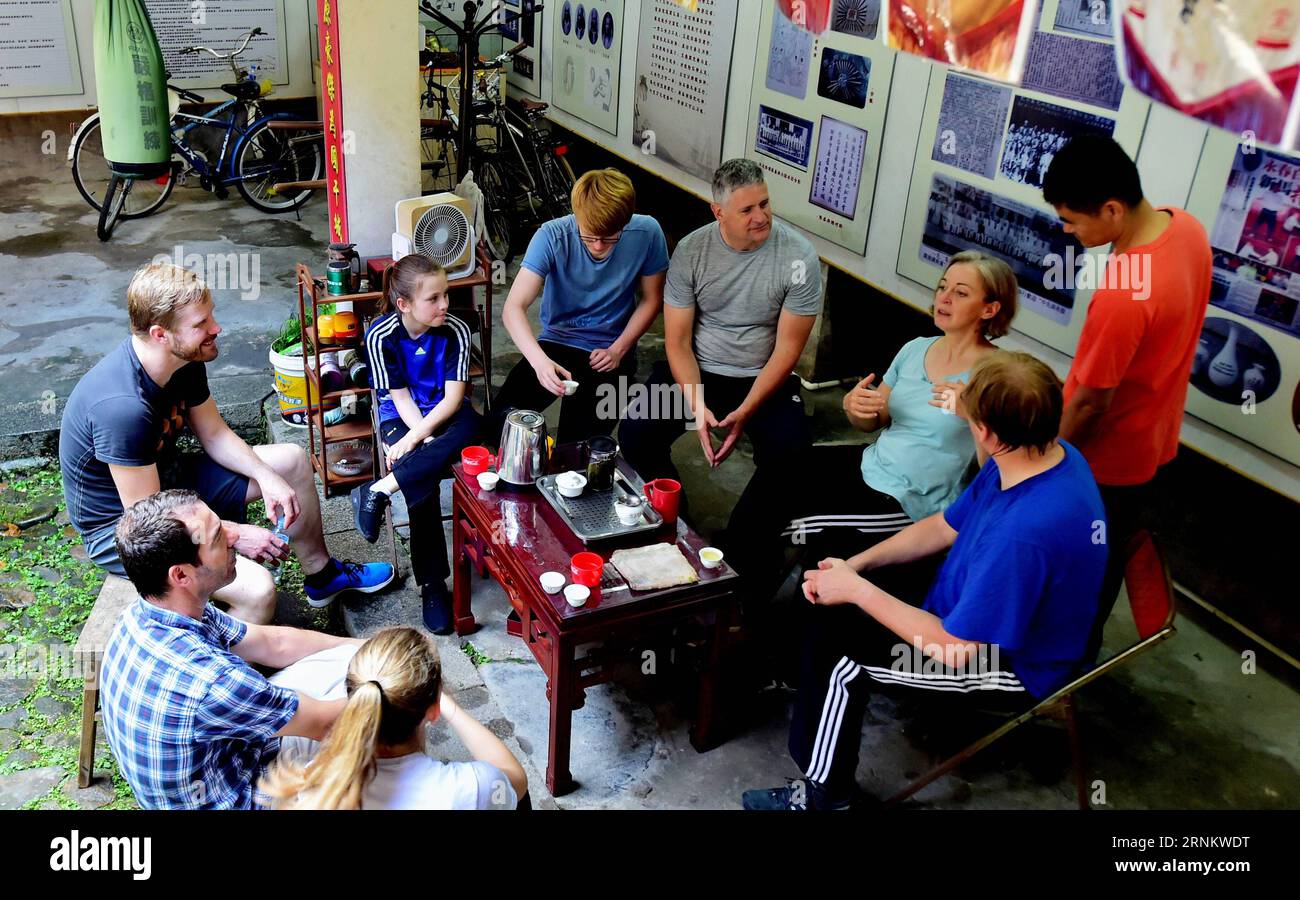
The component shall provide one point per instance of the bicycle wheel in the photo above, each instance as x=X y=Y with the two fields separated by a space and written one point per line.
x=114 y=200
x=497 y=207
x=557 y=177
x=91 y=175
x=269 y=157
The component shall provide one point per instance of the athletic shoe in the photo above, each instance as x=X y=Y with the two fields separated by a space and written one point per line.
x=368 y=510
x=436 y=600
x=798 y=796
x=364 y=578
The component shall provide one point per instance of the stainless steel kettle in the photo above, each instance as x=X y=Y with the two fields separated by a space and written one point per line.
x=524 y=451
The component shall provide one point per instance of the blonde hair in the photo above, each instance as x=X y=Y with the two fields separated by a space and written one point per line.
x=603 y=201
x=1017 y=397
x=158 y=292
x=392 y=681
x=999 y=286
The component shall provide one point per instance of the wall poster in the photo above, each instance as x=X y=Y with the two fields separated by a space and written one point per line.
x=40 y=49
x=223 y=22
x=587 y=49
x=525 y=70
x=1247 y=367
x=818 y=116
x=976 y=184
x=683 y=64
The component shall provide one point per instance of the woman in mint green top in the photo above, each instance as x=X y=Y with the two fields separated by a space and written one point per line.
x=924 y=454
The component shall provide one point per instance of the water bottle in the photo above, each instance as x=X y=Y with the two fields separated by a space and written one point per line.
x=278 y=571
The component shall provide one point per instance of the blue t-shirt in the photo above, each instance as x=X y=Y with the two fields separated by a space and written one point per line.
x=923 y=457
x=1026 y=569
x=587 y=302
x=423 y=365
x=117 y=415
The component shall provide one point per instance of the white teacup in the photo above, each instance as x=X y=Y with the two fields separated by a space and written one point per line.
x=552 y=582
x=577 y=594
x=488 y=480
x=627 y=515
x=570 y=388
x=711 y=557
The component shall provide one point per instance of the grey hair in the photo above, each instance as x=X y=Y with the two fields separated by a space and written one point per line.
x=735 y=173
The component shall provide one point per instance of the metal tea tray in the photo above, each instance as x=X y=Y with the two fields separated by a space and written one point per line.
x=591 y=516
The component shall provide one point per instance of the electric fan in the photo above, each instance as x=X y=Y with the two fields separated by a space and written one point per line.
x=437 y=227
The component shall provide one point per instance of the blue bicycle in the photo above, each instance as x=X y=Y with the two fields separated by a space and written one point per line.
x=270 y=161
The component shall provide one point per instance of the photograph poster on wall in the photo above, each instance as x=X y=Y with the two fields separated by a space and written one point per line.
x=1256 y=240
x=1037 y=132
x=683 y=64
x=838 y=171
x=1091 y=17
x=1075 y=68
x=789 y=55
x=587 y=42
x=519 y=27
x=856 y=17
x=960 y=217
x=988 y=36
x=971 y=117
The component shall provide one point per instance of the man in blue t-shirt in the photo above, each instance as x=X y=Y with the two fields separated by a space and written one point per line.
x=1007 y=619
x=587 y=268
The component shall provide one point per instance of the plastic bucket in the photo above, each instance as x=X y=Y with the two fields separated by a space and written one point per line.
x=291 y=384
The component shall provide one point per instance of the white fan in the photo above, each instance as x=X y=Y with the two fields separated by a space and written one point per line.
x=437 y=227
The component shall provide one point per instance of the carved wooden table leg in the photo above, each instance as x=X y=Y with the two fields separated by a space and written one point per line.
x=460 y=567
x=560 y=691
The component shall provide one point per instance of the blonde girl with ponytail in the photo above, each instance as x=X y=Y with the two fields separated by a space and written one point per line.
x=373 y=757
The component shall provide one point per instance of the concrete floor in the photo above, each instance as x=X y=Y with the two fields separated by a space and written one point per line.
x=1185 y=726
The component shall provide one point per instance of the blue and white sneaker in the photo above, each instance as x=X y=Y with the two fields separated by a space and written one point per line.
x=364 y=578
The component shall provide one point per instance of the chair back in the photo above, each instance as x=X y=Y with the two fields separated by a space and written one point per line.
x=1150 y=590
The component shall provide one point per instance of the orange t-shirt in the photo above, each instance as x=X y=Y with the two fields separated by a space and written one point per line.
x=1144 y=348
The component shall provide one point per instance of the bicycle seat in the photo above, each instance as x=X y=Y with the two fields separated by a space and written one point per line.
x=243 y=90
x=533 y=105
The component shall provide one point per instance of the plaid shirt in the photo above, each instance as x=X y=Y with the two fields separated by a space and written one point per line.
x=191 y=724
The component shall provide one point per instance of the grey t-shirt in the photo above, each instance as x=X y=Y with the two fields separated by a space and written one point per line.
x=738 y=296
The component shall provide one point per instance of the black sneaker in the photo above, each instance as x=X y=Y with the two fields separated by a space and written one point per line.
x=436 y=600
x=798 y=796
x=368 y=510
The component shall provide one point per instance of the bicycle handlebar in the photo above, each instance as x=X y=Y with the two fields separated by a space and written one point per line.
x=248 y=36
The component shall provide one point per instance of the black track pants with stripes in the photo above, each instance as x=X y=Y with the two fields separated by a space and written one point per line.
x=846 y=656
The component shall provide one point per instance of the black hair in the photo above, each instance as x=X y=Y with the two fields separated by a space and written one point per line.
x=1090 y=170
x=150 y=540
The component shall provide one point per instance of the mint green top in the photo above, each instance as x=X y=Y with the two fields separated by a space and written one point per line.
x=925 y=456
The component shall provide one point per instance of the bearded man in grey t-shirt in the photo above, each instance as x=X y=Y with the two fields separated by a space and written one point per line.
x=740 y=300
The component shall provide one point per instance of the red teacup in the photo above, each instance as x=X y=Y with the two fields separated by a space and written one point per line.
x=476 y=459
x=664 y=495
x=586 y=568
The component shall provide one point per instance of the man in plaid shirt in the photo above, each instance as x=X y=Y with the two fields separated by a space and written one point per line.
x=191 y=722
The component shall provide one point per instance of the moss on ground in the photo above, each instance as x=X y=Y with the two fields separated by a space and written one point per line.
x=48 y=587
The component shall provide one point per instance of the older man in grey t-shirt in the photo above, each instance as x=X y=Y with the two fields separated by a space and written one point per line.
x=740 y=300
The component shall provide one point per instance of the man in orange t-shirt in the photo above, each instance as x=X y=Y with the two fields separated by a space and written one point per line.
x=1125 y=392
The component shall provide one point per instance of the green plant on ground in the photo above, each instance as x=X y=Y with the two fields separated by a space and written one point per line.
x=48 y=588
x=476 y=656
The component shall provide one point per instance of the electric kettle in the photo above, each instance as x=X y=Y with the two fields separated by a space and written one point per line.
x=524 y=452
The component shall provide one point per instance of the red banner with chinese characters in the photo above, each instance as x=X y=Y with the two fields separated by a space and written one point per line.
x=331 y=86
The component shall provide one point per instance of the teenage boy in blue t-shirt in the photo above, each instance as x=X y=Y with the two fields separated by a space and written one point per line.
x=1006 y=621
x=587 y=268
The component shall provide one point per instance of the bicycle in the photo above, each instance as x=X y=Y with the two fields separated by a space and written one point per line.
x=251 y=154
x=519 y=152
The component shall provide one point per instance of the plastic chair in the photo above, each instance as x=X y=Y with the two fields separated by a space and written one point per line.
x=1151 y=601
